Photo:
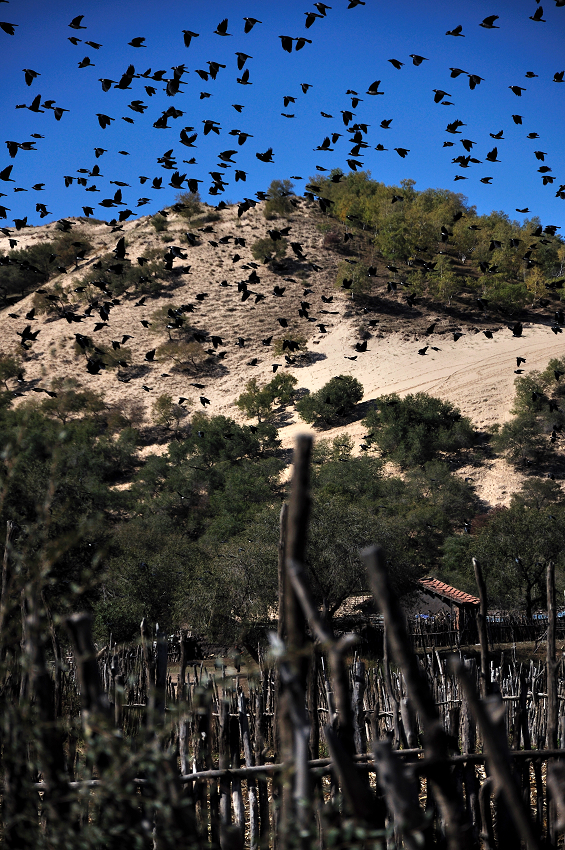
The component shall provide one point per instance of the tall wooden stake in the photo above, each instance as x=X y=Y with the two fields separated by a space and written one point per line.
x=482 y=628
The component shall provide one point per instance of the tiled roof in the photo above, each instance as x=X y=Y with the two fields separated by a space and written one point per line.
x=445 y=591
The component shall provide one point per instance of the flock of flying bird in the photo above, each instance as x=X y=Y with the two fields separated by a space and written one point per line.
x=173 y=85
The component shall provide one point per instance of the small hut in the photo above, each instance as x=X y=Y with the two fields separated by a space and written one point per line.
x=462 y=606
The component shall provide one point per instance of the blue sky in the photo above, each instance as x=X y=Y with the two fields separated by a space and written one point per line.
x=350 y=50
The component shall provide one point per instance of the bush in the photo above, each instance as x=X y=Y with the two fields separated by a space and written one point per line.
x=278 y=199
x=537 y=414
x=71 y=400
x=10 y=367
x=166 y=412
x=33 y=266
x=186 y=354
x=507 y=294
x=335 y=399
x=159 y=222
x=415 y=429
x=267 y=248
x=192 y=203
x=206 y=217
x=119 y=277
x=258 y=401
x=358 y=274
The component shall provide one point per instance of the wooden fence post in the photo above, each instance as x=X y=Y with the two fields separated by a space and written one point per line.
x=223 y=764
x=552 y=702
x=4 y=595
x=482 y=628
x=296 y=789
x=341 y=744
x=160 y=674
x=358 y=692
x=149 y=659
x=552 y=707
x=94 y=700
x=251 y=781
x=264 y=825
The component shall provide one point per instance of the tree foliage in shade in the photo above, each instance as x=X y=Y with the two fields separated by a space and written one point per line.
x=538 y=416
x=514 y=546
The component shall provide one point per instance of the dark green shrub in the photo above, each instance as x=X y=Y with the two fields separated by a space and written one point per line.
x=335 y=399
x=274 y=249
x=192 y=203
x=357 y=273
x=258 y=401
x=206 y=217
x=159 y=222
x=121 y=276
x=31 y=267
x=415 y=429
x=297 y=342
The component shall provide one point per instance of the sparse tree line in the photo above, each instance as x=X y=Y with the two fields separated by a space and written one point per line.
x=443 y=246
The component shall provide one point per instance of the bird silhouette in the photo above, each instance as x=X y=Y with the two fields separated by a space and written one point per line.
x=222 y=28
x=488 y=23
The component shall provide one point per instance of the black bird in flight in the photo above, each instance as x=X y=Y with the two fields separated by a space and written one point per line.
x=250 y=23
x=488 y=23
x=188 y=36
x=222 y=28
x=76 y=23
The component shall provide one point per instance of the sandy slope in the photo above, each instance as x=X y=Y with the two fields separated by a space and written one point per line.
x=475 y=373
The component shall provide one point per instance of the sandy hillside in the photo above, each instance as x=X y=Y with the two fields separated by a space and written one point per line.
x=475 y=373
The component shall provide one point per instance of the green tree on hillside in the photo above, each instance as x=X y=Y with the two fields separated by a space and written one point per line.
x=335 y=399
x=257 y=402
x=416 y=428
x=192 y=203
x=514 y=546
x=278 y=201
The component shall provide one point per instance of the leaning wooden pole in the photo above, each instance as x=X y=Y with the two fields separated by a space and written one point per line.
x=295 y=550
x=498 y=761
x=296 y=794
x=552 y=699
x=5 y=600
x=482 y=628
x=457 y=828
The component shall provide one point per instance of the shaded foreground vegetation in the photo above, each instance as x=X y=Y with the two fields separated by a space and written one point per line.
x=91 y=758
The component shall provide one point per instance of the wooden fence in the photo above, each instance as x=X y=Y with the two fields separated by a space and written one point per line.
x=305 y=749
